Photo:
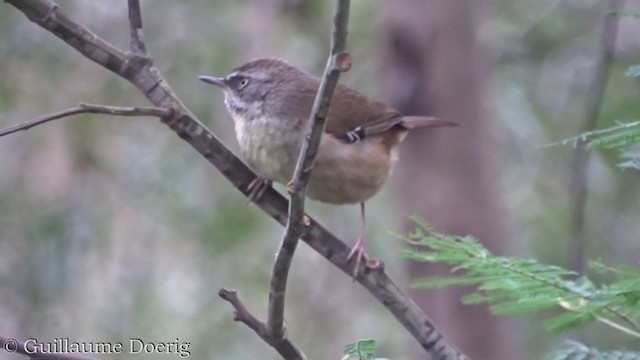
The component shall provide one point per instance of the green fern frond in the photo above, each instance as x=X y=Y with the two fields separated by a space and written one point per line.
x=616 y=137
x=623 y=136
x=578 y=351
x=512 y=285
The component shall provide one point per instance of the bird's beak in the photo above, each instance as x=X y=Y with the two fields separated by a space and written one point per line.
x=217 y=81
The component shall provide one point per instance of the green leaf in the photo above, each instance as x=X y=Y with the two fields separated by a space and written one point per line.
x=620 y=136
x=363 y=349
x=442 y=282
x=569 y=321
x=526 y=306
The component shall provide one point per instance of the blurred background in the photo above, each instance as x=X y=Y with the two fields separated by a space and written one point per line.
x=113 y=228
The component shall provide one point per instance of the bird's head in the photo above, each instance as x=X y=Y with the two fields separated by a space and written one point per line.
x=246 y=87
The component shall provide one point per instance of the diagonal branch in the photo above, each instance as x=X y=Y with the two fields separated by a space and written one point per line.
x=136 y=37
x=297 y=186
x=148 y=79
x=83 y=108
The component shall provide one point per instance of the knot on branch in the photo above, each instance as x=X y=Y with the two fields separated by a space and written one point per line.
x=293 y=187
x=342 y=61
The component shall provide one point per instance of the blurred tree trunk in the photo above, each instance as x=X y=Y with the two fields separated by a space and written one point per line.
x=434 y=64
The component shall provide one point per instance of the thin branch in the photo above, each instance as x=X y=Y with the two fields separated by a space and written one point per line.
x=283 y=346
x=298 y=185
x=83 y=108
x=13 y=346
x=581 y=157
x=150 y=82
x=136 y=36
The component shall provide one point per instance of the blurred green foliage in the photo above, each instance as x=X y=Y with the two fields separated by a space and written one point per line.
x=113 y=228
x=581 y=351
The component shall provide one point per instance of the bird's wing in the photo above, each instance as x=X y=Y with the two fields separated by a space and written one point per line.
x=353 y=114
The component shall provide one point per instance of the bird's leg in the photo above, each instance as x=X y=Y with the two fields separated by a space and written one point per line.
x=257 y=187
x=359 y=248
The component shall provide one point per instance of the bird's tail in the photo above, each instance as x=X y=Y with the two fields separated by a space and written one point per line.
x=414 y=122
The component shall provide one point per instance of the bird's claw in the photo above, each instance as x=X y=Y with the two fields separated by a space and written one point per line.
x=359 y=252
x=257 y=187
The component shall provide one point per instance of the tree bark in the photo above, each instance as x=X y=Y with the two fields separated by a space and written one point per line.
x=435 y=65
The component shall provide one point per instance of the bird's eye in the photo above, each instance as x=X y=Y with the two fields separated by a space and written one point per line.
x=244 y=82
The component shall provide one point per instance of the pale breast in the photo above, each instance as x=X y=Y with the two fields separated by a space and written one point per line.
x=272 y=155
x=343 y=173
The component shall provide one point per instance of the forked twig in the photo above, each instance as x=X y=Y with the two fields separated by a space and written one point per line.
x=284 y=346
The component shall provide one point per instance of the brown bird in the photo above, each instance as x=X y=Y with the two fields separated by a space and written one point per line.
x=270 y=102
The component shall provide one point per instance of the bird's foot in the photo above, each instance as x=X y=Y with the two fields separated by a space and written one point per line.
x=257 y=187
x=360 y=253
